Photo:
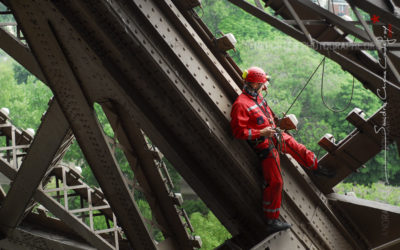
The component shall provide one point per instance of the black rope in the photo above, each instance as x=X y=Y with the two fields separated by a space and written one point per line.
x=322 y=93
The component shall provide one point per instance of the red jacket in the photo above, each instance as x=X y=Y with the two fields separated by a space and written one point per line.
x=248 y=118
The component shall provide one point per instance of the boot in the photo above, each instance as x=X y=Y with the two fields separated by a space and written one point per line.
x=321 y=171
x=276 y=225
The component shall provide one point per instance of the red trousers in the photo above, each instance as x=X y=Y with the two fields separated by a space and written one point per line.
x=272 y=196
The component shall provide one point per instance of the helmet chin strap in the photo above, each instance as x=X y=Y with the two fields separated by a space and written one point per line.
x=259 y=87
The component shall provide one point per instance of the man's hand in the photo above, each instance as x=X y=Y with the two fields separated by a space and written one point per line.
x=268 y=132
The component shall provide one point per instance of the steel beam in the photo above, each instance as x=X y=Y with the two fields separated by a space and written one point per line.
x=377 y=222
x=32 y=66
x=354 y=150
x=281 y=240
x=15 y=49
x=26 y=238
x=50 y=135
x=161 y=108
x=299 y=22
x=20 y=52
x=148 y=175
x=84 y=231
x=2 y=194
x=208 y=38
x=305 y=204
x=59 y=211
x=81 y=117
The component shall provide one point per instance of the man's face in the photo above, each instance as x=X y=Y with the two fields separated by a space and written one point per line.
x=260 y=86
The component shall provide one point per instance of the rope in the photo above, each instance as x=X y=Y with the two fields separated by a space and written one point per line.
x=308 y=81
x=322 y=93
x=196 y=15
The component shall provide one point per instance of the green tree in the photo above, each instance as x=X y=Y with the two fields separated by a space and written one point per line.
x=20 y=73
x=210 y=230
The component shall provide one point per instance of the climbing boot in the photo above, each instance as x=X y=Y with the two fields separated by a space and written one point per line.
x=276 y=225
x=321 y=171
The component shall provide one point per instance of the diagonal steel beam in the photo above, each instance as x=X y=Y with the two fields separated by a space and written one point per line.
x=42 y=151
x=148 y=174
x=155 y=103
x=81 y=116
x=28 y=238
x=15 y=48
x=299 y=21
x=55 y=208
x=20 y=52
x=2 y=194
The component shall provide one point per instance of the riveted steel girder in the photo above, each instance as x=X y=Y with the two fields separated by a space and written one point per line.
x=51 y=133
x=62 y=80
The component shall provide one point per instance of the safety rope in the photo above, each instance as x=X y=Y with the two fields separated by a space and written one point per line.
x=322 y=93
x=322 y=90
x=301 y=91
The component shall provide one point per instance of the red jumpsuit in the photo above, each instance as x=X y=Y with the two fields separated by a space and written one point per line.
x=248 y=118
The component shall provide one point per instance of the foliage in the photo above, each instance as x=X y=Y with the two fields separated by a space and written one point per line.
x=210 y=230
x=193 y=206
x=375 y=192
x=26 y=102
x=20 y=73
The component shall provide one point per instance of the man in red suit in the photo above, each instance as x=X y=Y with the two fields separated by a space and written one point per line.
x=254 y=121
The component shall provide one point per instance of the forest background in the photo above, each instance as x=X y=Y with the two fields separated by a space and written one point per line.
x=288 y=62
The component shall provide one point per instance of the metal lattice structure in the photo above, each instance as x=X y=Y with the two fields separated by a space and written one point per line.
x=160 y=75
